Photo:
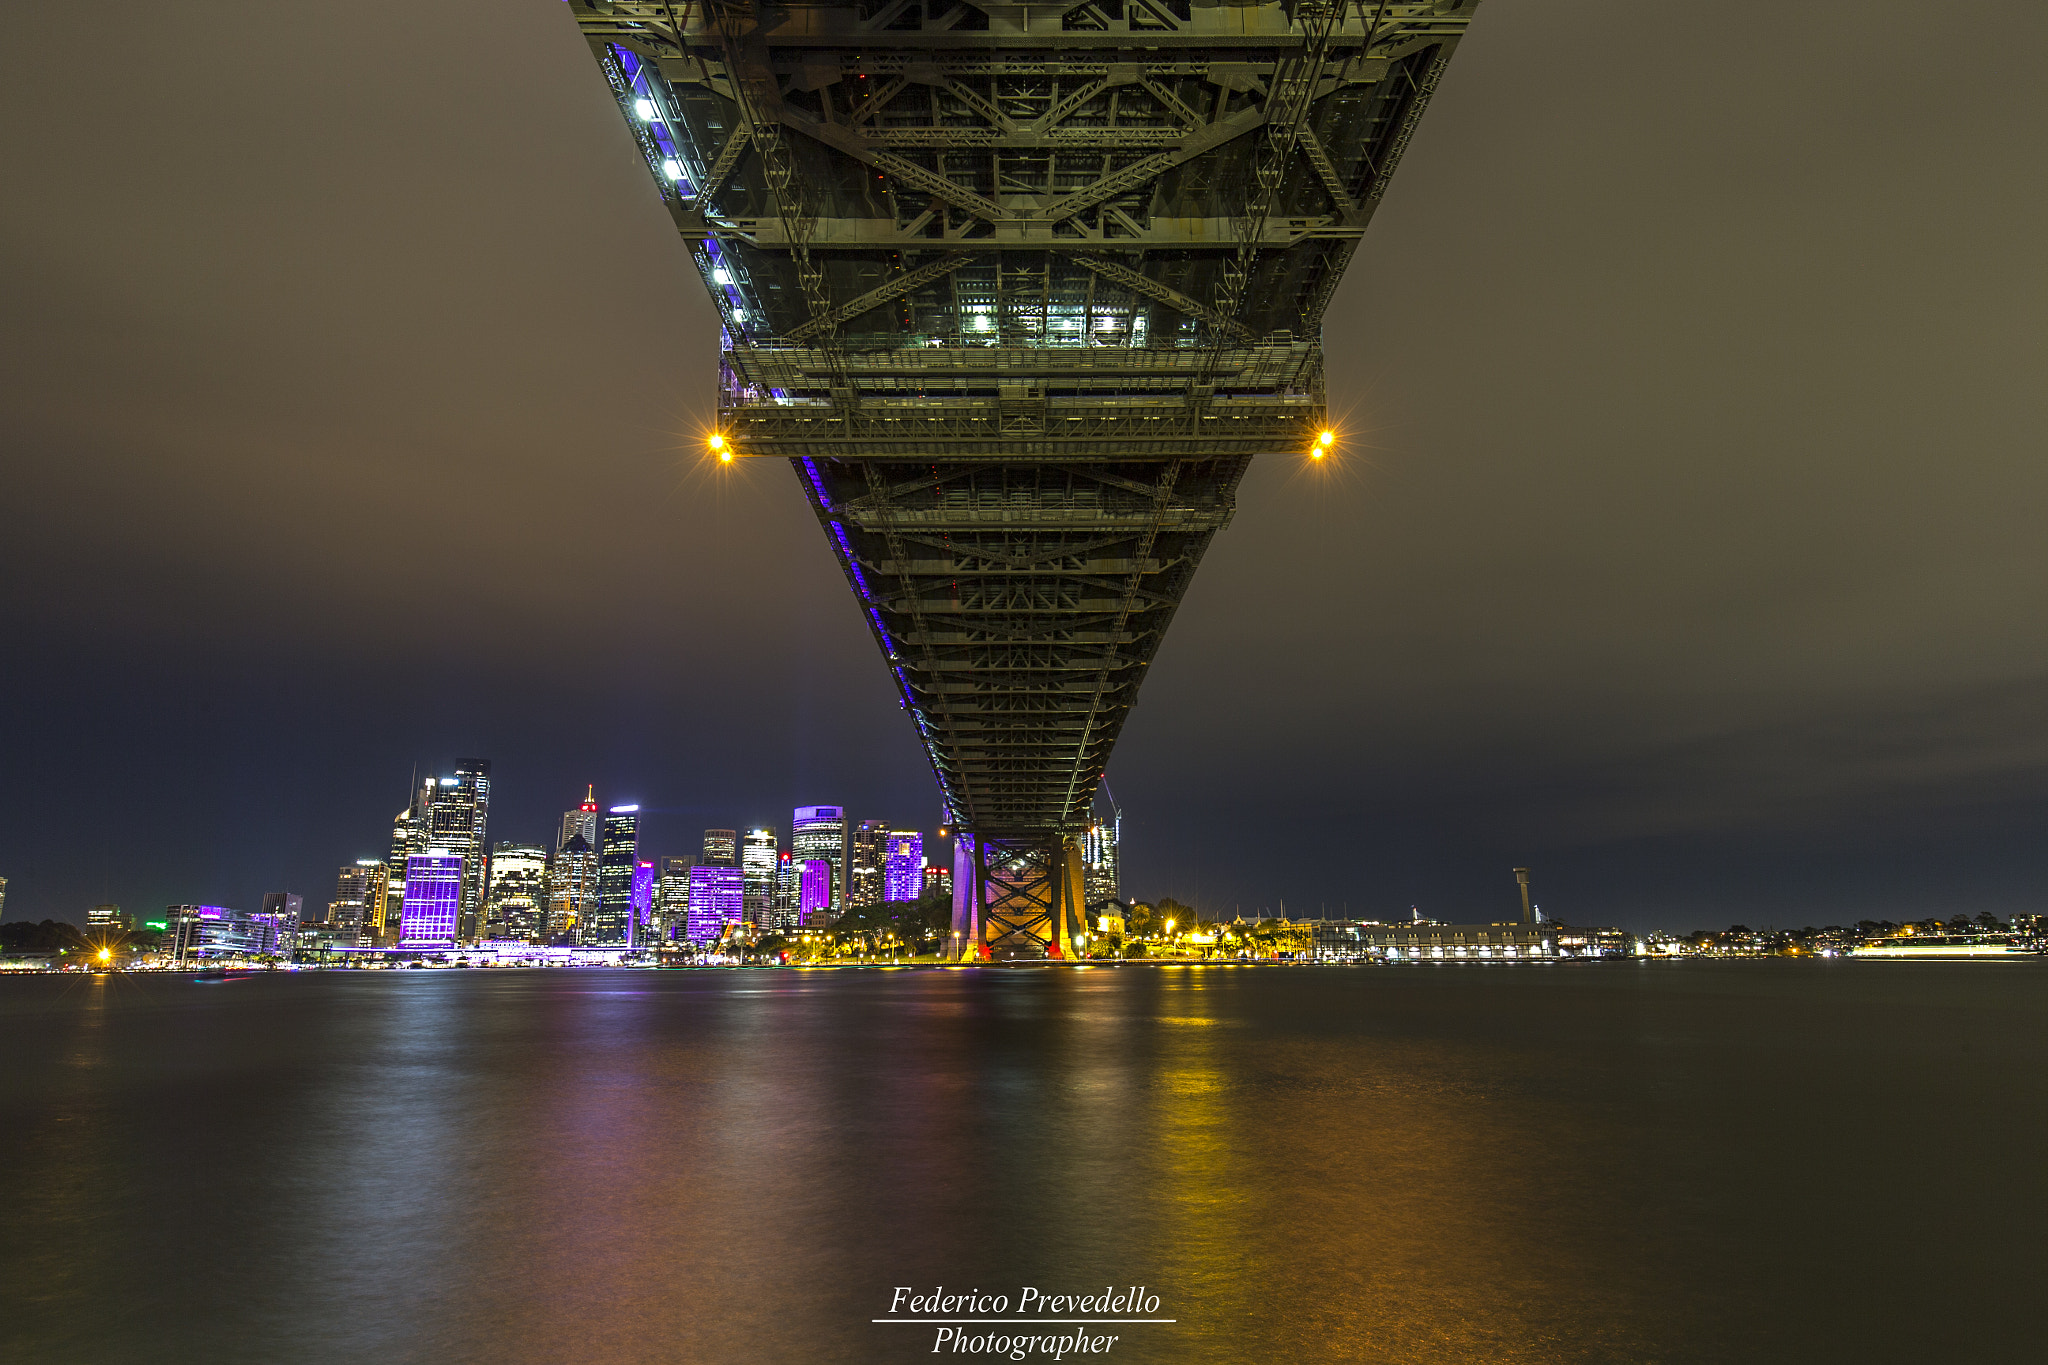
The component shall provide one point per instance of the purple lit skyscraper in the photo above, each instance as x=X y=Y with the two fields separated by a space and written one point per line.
x=433 y=900
x=814 y=891
x=717 y=898
x=903 y=867
x=643 y=904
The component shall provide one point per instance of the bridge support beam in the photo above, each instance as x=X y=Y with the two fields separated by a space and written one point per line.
x=1017 y=899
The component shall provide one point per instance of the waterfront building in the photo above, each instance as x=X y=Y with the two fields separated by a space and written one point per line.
x=814 y=894
x=610 y=923
x=3 y=896
x=903 y=866
x=721 y=848
x=819 y=832
x=1433 y=942
x=864 y=870
x=938 y=881
x=197 y=933
x=717 y=898
x=351 y=911
x=672 y=899
x=106 y=919
x=516 y=896
x=757 y=864
x=1099 y=851
x=433 y=900
x=456 y=821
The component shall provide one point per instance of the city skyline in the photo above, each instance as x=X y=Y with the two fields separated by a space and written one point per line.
x=1621 y=620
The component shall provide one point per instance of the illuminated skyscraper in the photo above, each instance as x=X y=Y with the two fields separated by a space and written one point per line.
x=903 y=866
x=516 y=901
x=609 y=925
x=717 y=898
x=352 y=910
x=456 y=821
x=672 y=899
x=785 y=891
x=640 y=927
x=864 y=870
x=938 y=881
x=820 y=832
x=408 y=837
x=433 y=900
x=1099 y=856
x=572 y=876
x=814 y=893
x=757 y=863
x=721 y=848
x=285 y=908
x=106 y=919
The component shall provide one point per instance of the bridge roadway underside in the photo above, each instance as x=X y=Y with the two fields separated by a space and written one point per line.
x=1020 y=291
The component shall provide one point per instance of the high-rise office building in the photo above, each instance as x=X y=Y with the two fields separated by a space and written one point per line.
x=572 y=875
x=717 y=898
x=640 y=925
x=783 y=907
x=672 y=899
x=1099 y=857
x=433 y=900
x=758 y=864
x=864 y=870
x=408 y=837
x=820 y=832
x=721 y=848
x=903 y=866
x=516 y=897
x=286 y=909
x=582 y=820
x=106 y=919
x=814 y=894
x=617 y=856
x=938 y=881
x=572 y=890
x=456 y=821
x=351 y=910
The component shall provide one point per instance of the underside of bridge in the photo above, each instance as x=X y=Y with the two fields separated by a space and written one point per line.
x=1020 y=290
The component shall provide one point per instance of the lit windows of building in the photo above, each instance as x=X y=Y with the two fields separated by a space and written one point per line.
x=721 y=848
x=758 y=863
x=814 y=894
x=864 y=875
x=1099 y=856
x=106 y=919
x=516 y=899
x=641 y=927
x=938 y=881
x=456 y=821
x=619 y=854
x=819 y=832
x=672 y=899
x=903 y=866
x=717 y=898
x=351 y=912
x=433 y=900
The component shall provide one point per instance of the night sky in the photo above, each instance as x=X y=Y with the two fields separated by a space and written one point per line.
x=1687 y=547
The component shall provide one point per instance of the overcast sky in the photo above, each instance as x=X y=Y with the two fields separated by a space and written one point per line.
x=1687 y=545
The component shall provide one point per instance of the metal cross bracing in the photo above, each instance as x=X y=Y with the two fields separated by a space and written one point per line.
x=1020 y=290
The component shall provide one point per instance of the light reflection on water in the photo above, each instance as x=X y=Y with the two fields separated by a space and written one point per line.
x=1679 y=1161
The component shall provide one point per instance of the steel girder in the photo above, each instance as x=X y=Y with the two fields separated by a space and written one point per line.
x=1020 y=291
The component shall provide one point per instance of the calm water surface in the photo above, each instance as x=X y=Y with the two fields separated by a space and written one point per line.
x=1713 y=1161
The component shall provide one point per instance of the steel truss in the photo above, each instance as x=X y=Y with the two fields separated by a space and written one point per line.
x=1020 y=291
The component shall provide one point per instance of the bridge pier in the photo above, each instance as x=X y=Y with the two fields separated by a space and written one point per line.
x=1017 y=898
